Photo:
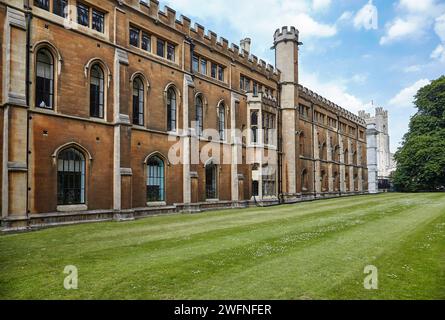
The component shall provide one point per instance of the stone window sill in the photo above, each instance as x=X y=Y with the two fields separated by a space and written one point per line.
x=157 y=204
x=72 y=208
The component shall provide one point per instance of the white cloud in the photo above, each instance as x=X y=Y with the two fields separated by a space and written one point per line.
x=414 y=19
x=259 y=20
x=321 y=4
x=413 y=68
x=334 y=90
x=405 y=97
x=440 y=27
x=403 y=27
x=367 y=17
x=439 y=53
x=416 y=6
x=346 y=16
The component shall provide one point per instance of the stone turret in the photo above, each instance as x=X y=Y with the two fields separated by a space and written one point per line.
x=380 y=159
x=286 y=44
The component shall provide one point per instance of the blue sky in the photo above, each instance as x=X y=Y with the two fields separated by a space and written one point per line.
x=354 y=52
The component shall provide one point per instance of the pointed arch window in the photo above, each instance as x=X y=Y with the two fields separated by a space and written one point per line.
x=138 y=102
x=171 y=109
x=97 y=92
x=211 y=181
x=44 y=79
x=155 y=179
x=199 y=116
x=222 y=122
x=70 y=177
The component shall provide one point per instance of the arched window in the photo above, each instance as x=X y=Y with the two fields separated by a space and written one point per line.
x=199 y=116
x=138 y=102
x=222 y=122
x=44 y=79
x=346 y=156
x=70 y=177
x=155 y=180
x=211 y=181
x=304 y=180
x=171 y=109
x=254 y=126
x=97 y=92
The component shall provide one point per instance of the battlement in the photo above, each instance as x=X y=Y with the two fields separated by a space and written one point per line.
x=286 y=34
x=363 y=114
x=381 y=112
x=311 y=95
x=197 y=33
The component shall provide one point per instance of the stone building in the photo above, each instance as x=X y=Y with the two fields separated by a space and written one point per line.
x=115 y=110
x=380 y=159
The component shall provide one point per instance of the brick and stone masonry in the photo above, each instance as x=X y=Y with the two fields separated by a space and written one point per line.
x=115 y=110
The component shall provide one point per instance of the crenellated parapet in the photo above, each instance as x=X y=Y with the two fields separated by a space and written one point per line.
x=198 y=33
x=316 y=98
x=286 y=34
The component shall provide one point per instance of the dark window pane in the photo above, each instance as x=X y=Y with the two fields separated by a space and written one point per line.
x=98 y=21
x=160 y=50
x=138 y=102
x=171 y=110
x=70 y=177
x=44 y=4
x=199 y=116
x=146 y=42
x=83 y=15
x=60 y=7
x=204 y=66
x=214 y=70
x=44 y=79
x=96 y=92
x=170 y=52
x=134 y=37
x=195 y=64
x=155 y=180
x=220 y=73
x=211 y=184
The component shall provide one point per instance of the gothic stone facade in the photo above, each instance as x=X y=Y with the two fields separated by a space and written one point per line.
x=96 y=94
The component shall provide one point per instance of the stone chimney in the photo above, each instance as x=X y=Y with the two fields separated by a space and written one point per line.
x=245 y=44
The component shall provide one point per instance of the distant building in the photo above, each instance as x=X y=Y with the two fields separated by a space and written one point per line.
x=381 y=162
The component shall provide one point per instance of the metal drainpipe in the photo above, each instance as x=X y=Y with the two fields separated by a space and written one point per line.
x=27 y=91
x=313 y=151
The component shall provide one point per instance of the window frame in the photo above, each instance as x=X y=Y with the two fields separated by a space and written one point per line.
x=139 y=108
x=102 y=93
x=51 y=94
x=160 y=177
x=81 y=164
x=172 y=109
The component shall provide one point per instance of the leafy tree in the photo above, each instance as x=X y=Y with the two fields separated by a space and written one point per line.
x=421 y=159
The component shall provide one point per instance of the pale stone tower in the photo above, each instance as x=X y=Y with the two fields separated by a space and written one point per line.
x=380 y=158
x=286 y=60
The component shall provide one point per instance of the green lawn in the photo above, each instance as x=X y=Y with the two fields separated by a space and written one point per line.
x=313 y=250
